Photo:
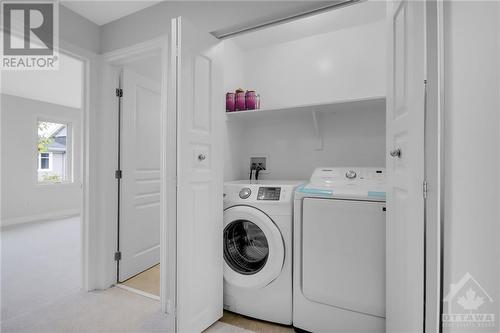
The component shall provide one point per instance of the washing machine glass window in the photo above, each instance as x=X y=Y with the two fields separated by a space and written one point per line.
x=245 y=247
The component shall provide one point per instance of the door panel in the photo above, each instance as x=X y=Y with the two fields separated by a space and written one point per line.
x=199 y=107
x=140 y=184
x=405 y=131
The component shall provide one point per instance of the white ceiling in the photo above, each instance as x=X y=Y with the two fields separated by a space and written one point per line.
x=102 y=12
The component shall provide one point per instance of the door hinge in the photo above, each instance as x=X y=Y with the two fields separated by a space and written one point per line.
x=119 y=92
x=118 y=174
x=118 y=256
x=170 y=308
x=424 y=189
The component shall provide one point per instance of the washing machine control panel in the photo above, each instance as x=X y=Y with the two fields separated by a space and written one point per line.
x=269 y=193
x=266 y=193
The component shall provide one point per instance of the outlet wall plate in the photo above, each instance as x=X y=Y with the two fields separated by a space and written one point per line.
x=260 y=158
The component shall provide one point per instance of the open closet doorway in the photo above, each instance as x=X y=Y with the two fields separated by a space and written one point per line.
x=139 y=176
x=138 y=74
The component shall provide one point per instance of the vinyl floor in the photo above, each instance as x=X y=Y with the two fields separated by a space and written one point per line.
x=147 y=281
x=254 y=325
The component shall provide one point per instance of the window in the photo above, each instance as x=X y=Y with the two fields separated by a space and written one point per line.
x=44 y=161
x=54 y=153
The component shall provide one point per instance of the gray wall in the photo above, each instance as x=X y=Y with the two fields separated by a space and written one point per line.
x=354 y=138
x=23 y=199
x=79 y=31
x=472 y=150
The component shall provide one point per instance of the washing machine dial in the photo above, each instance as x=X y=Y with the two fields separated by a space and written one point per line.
x=245 y=193
x=350 y=174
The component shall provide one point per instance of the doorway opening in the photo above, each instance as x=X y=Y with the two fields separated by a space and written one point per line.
x=140 y=98
x=42 y=140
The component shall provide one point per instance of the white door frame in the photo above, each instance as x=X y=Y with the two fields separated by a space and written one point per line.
x=434 y=166
x=90 y=66
x=168 y=148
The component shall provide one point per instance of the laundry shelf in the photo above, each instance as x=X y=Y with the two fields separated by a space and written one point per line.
x=336 y=106
x=365 y=104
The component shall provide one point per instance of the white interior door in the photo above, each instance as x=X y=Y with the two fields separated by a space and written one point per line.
x=405 y=166
x=200 y=109
x=140 y=185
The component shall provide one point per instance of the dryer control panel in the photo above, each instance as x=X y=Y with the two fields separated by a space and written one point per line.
x=352 y=175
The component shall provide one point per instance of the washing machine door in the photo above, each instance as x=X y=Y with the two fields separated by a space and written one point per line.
x=254 y=251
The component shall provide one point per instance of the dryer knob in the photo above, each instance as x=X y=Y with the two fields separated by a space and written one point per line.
x=245 y=193
x=351 y=174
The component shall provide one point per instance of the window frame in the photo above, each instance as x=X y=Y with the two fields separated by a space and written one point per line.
x=69 y=177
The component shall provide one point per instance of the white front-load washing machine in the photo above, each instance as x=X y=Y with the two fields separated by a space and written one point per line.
x=339 y=251
x=258 y=249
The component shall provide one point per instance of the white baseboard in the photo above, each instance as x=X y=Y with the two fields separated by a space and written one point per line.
x=40 y=217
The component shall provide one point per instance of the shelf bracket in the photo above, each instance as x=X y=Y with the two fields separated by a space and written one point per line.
x=317 y=130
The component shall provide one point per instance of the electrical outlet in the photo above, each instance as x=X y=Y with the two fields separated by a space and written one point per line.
x=260 y=160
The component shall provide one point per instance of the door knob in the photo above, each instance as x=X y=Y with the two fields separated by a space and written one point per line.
x=201 y=157
x=396 y=152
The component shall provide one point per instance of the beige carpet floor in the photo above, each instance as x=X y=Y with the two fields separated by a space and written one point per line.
x=40 y=288
x=147 y=281
x=111 y=311
x=40 y=265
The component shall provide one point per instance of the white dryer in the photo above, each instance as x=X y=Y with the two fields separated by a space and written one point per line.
x=258 y=249
x=339 y=251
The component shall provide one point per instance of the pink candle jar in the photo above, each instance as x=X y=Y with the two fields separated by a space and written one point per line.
x=240 y=100
x=250 y=100
x=230 y=102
